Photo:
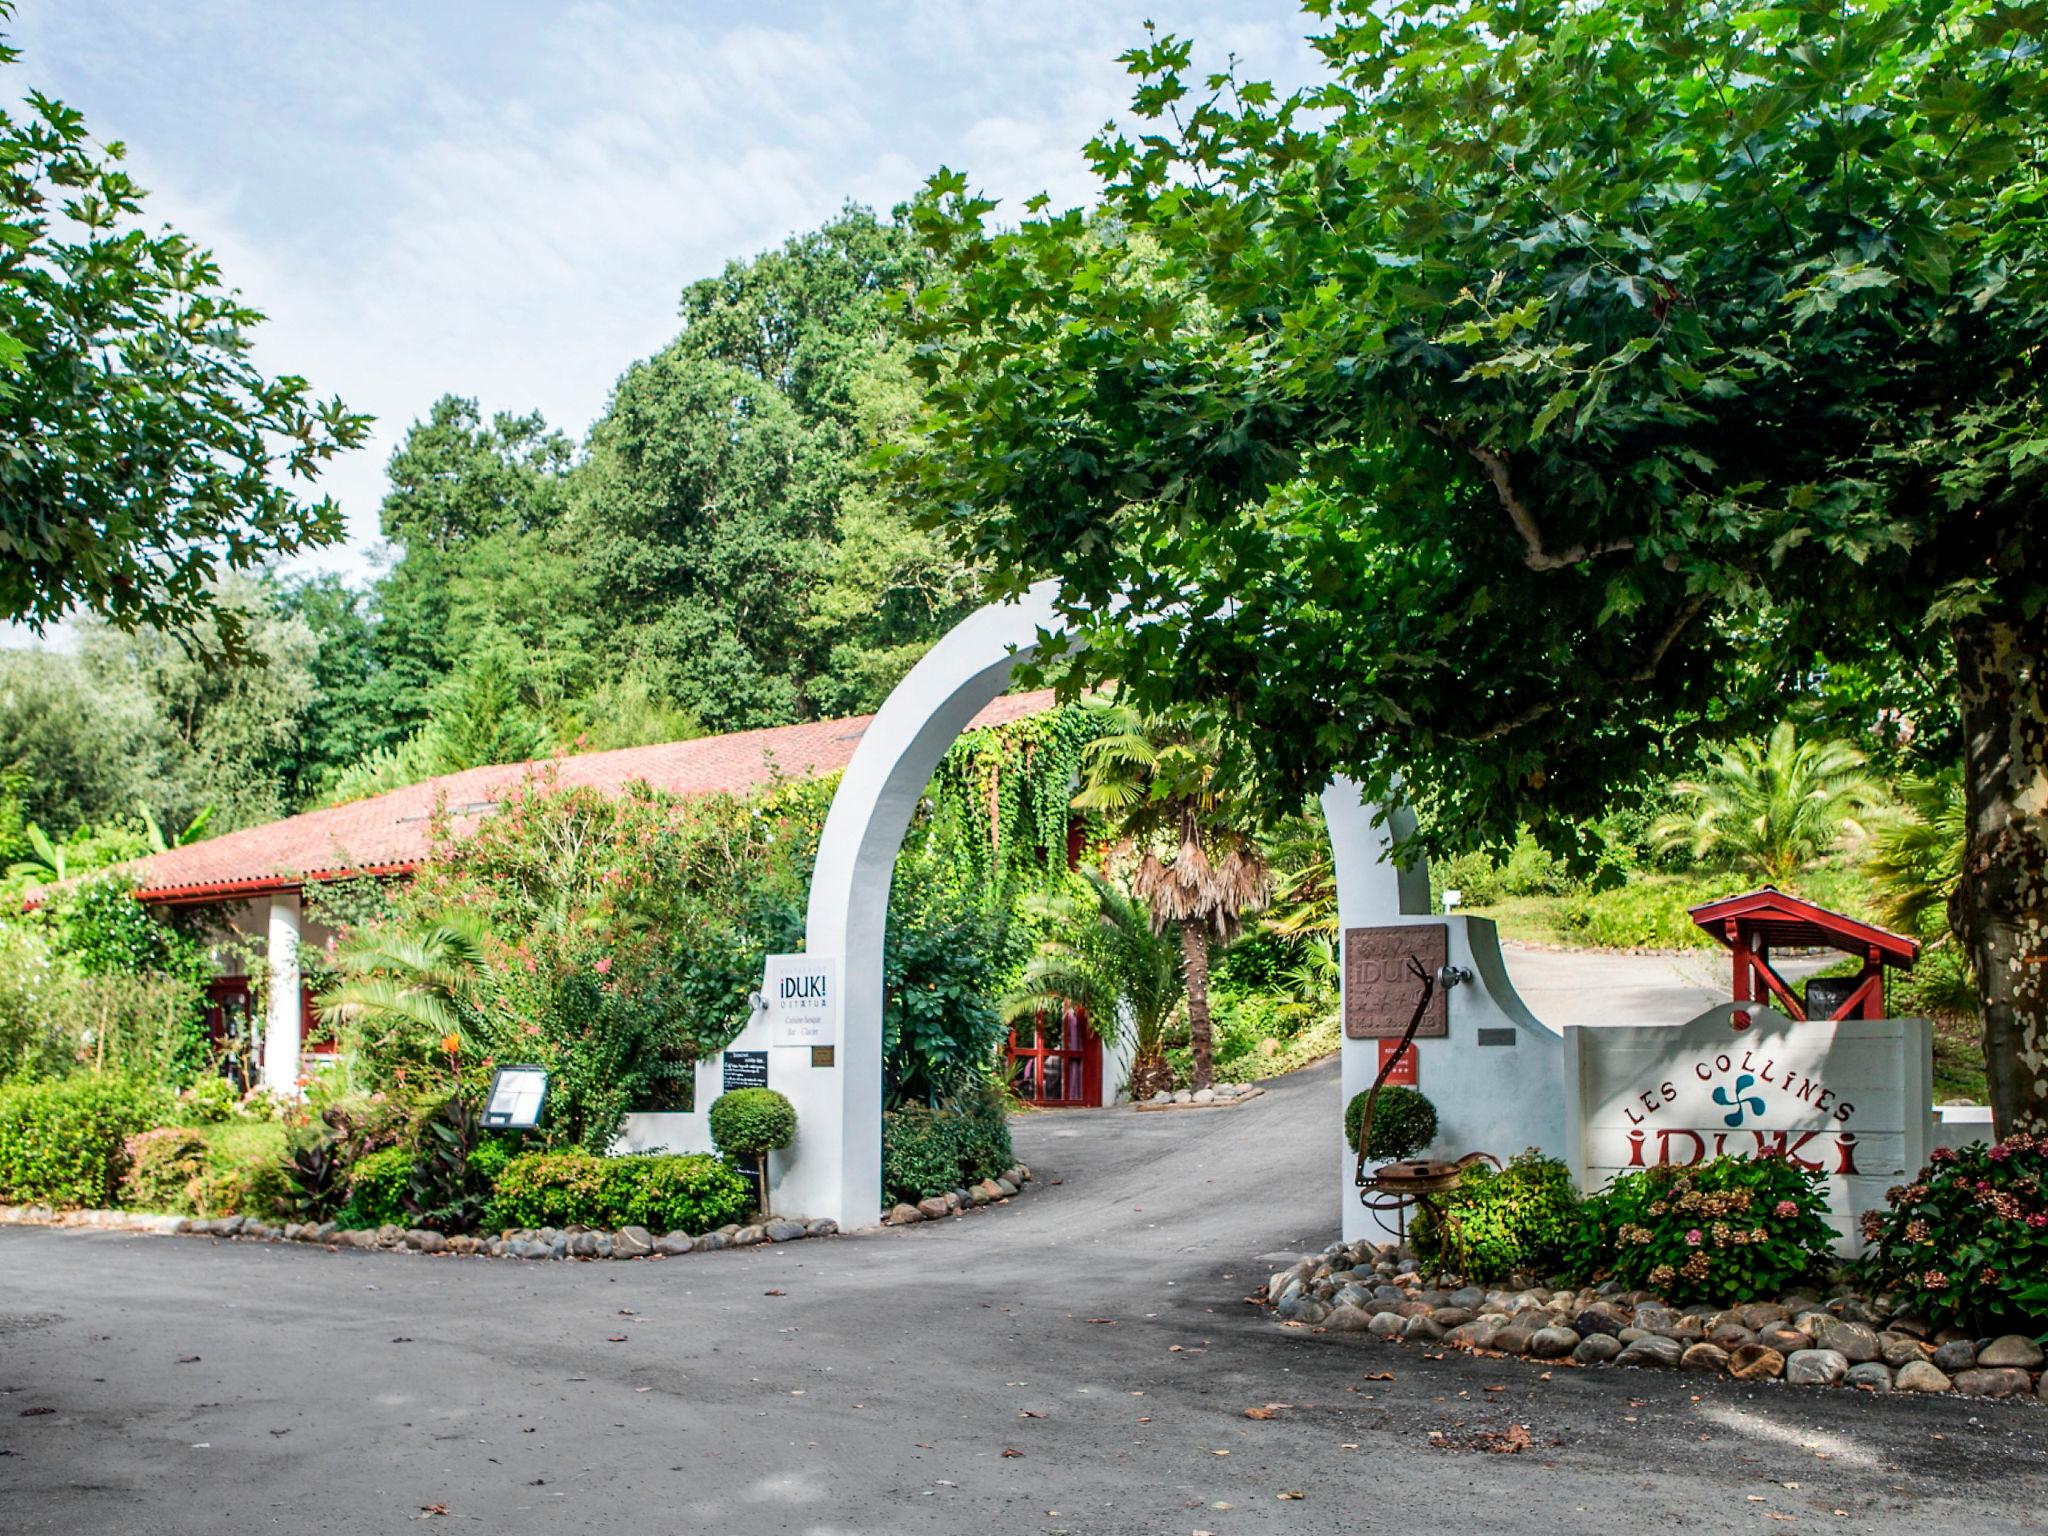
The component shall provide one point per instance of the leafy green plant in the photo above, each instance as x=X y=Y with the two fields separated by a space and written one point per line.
x=1733 y=1229
x=1403 y=1122
x=1772 y=806
x=930 y=1151
x=562 y=1189
x=61 y=1143
x=448 y=1191
x=1966 y=1243
x=379 y=1185
x=162 y=1169
x=748 y=1121
x=1516 y=1220
x=210 y=1100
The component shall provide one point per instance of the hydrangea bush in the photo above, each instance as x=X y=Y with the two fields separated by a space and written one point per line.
x=1497 y=1223
x=1967 y=1242
x=1731 y=1230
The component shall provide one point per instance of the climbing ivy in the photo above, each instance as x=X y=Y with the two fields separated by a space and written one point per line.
x=1004 y=793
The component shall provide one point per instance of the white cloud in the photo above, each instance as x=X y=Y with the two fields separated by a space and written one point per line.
x=506 y=200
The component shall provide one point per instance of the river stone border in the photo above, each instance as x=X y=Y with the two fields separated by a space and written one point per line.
x=1848 y=1340
x=1221 y=1096
x=1013 y=1181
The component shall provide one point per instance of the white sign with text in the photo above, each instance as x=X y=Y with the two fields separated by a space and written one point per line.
x=801 y=993
x=1849 y=1099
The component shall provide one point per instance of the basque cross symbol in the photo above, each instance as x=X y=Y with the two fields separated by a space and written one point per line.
x=1742 y=1102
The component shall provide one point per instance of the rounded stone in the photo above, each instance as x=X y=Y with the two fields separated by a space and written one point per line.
x=632 y=1242
x=1388 y=1325
x=1477 y=1334
x=1955 y=1356
x=1596 y=1349
x=1348 y=1319
x=1704 y=1357
x=1553 y=1343
x=1899 y=1349
x=1783 y=1338
x=933 y=1207
x=1423 y=1328
x=1599 y=1319
x=1854 y=1342
x=783 y=1230
x=1869 y=1376
x=1815 y=1368
x=1921 y=1376
x=2011 y=1349
x=904 y=1215
x=1994 y=1381
x=1755 y=1362
x=1308 y=1310
x=1730 y=1336
x=1652 y=1349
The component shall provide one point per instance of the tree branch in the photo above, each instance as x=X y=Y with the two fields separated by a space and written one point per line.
x=1535 y=556
x=1689 y=610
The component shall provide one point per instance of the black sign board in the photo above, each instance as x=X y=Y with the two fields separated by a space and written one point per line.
x=746 y=1069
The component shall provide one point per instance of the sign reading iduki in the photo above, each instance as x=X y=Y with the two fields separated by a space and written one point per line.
x=1849 y=1100
x=802 y=997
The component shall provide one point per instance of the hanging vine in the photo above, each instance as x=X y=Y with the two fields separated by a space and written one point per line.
x=1002 y=795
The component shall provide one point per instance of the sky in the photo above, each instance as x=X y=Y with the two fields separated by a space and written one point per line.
x=505 y=199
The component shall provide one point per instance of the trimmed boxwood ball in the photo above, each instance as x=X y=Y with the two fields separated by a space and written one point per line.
x=748 y=1121
x=1403 y=1123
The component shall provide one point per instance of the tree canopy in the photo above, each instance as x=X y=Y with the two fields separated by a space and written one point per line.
x=1549 y=387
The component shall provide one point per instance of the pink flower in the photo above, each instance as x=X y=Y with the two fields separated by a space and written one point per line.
x=1694 y=1238
x=1999 y=1153
x=1942 y=1155
x=1787 y=1208
x=604 y=966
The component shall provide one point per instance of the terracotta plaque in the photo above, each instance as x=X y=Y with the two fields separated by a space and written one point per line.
x=1380 y=990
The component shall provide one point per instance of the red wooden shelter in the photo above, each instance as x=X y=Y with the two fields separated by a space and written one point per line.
x=1753 y=925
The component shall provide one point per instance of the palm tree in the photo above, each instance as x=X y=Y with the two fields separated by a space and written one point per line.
x=1196 y=871
x=1916 y=860
x=1771 y=807
x=1105 y=955
x=398 y=991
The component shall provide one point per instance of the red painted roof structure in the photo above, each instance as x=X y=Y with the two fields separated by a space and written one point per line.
x=387 y=834
x=1750 y=926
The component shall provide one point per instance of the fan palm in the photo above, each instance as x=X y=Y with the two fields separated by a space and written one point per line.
x=1196 y=871
x=397 y=991
x=1916 y=859
x=1105 y=955
x=1771 y=806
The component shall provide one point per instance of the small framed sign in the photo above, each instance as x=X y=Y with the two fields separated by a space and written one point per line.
x=517 y=1095
x=1405 y=1065
x=745 y=1069
x=802 y=997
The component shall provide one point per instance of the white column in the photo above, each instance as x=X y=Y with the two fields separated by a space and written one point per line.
x=284 y=1016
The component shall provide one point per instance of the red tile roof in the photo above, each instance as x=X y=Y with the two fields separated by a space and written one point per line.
x=387 y=834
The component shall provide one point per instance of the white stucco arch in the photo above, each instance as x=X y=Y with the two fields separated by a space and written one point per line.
x=835 y=1168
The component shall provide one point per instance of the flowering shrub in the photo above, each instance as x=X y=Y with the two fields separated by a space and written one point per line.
x=163 y=1169
x=1731 y=1230
x=1967 y=1242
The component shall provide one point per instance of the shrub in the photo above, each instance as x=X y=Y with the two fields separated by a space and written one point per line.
x=1731 y=1230
x=61 y=1142
x=579 y=1189
x=930 y=1151
x=1497 y=1223
x=747 y=1121
x=447 y=1192
x=1403 y=1123
x=1967 y=1242
x=246 y=1187
x=377 y=1188
x=164 y=1167
x=208 y=1101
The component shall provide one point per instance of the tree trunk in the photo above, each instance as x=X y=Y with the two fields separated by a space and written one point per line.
x=1194 y=961
x=2001 y=909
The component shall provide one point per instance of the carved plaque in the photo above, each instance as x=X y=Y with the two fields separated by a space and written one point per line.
x=1379 y=989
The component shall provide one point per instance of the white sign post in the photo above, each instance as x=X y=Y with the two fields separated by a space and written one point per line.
x=1848 y=1099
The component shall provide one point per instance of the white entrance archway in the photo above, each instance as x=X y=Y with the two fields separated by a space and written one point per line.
x=835 y=1167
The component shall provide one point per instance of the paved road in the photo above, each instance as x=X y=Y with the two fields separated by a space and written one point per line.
x=876 y=1384
x=1596 y=986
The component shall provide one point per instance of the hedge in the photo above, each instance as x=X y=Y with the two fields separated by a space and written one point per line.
x=580 y=1189
x=930 y=1151
x=61 y=1142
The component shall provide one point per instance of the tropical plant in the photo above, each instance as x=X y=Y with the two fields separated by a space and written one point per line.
x=398 y=993
x=195 y=829
x=1197 y=869
x=1916 y=857
x=1103 y=953
x=1771 y=807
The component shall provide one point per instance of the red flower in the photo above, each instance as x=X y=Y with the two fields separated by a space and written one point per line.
x=604 y=966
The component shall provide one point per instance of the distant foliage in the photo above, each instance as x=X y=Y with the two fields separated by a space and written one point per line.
x=1772 y=806
x=163 y=1168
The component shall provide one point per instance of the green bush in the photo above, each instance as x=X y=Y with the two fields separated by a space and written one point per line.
x=163 y=1169
x=209 y=1101
x=377 y=1187
x=1967 y=1242
x=1731 y=1230
x=930 y=1151
x=1499 y=1223
x=246 y=1187
x=580 y=1189
x=751 y=1120
x=61 y=1142
x=1403 y=1123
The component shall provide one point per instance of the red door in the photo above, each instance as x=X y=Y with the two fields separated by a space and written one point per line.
x=1057 y=1063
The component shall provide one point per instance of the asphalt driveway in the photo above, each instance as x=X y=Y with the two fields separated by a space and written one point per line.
x=1078 y=1361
